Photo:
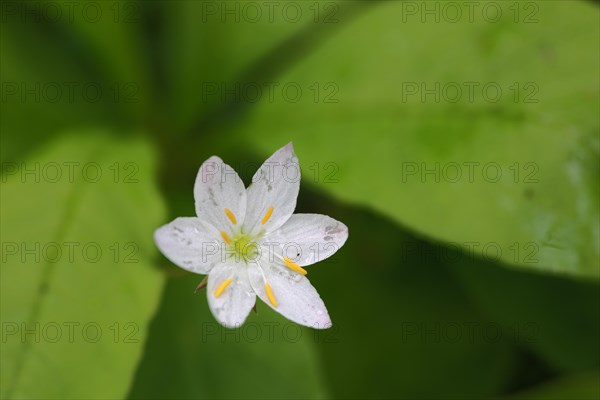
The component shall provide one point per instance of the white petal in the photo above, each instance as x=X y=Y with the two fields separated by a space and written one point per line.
x=218 y=187
x=190 y=243
x=307 y=238
x=296 y=298
x=234 y=303
x=275 y=185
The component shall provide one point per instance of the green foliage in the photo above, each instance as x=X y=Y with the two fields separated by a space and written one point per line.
x=86 y=287
x=467 y=285
x=494 y=184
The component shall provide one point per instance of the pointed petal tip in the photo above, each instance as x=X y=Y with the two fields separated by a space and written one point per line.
x=323 y=323
x=289 y=147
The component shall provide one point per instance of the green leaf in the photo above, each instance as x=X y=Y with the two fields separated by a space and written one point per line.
x=364 y=133
x=78 y=287
x=268 y=357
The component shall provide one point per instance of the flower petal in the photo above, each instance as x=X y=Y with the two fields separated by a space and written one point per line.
x=295 y=298
x=219 y=194
x=190 y=244
x=273 y=192
x=307 y=238
x=230 y=295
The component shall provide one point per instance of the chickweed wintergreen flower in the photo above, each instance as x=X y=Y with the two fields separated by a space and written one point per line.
x=249 y=242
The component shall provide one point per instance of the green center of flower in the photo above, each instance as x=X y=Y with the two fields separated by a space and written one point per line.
x=242 y=247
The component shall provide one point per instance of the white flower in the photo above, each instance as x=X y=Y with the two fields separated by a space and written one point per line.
x=250 y=243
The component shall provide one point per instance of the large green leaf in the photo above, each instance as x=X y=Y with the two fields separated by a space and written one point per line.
x=78 y=286
x=363 y=131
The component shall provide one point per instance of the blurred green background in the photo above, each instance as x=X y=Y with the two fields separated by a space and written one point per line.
x=458 y=141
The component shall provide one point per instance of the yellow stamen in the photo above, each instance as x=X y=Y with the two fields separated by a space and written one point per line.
x=270 y=295
x=225 y=237
x=267 y=216
x=222 y=287
x=293 y=266
x=230 y=216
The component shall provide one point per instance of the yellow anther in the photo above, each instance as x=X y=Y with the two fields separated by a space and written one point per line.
x=270 y=295
x=293 y=266
x=222 y=287
x=225 y=237
x=267 y=216
x=230 y=216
